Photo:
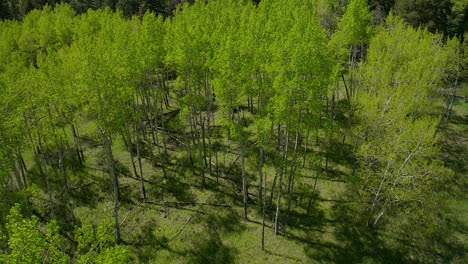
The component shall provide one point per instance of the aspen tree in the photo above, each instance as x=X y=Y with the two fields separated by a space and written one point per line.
x=395 y=136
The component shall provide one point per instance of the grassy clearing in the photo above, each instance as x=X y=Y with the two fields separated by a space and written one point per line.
x=326 y=233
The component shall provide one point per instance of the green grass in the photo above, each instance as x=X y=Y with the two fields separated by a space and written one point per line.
x=330 y=233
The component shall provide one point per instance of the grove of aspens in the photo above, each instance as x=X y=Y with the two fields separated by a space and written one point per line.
x=233 y=131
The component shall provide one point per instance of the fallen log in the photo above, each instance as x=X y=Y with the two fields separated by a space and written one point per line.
x=166 y=243
x=186 y=203
x=172 y=112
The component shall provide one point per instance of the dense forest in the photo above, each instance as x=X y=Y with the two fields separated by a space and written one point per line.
x=233 y=131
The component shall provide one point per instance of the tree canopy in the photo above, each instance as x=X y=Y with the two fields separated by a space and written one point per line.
x=131 y=133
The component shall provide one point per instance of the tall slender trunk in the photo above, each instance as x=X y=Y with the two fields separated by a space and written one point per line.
x=278 y=200
x=260 y=169
x=158 y=147
x=23 y=169
x=217 y=167
x=377 y=196
x=76 y=140
x=63 y=171
x=262 y=196
x=142 y=180
x=153 y=142
x=129 y=144
x=242 y=158
x=189 y=149
x=166 y=89
x=16 y=172
x=208 y=135
x=244 y=177
x=305 y=147
x=291 y=178
x=315 y=187
x=448 y=111
x=278 y=142
x=328 y=136
x=163 y=134
x=346 y=88
x=203 y=148
x=46 y=178
x=115 y=183
x=273 y=185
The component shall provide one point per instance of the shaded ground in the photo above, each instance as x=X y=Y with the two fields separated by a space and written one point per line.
x=331 y=232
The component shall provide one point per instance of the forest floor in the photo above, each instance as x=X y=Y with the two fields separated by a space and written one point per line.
x=159 y=232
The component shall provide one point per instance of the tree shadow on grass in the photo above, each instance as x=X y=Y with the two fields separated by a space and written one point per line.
x=223 y=220
x=178 y=189
x=145 y=241
x=223 y=194
x=355 y=243
x=341 y=153
x=454 y=154
x=339 y=237
x=211 y=249
x=313 y=220
x=206 y=244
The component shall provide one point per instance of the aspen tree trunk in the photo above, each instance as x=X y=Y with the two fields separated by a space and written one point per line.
x=278 y=203
x=189 y=149
x=217 y=167
x=192 y=136
x=142 y=181
x=192 y=128
x=209 y=98
x=76 y=140
x=67 y=149
x=158 y=147
x=147 y=99
x=46 y=178
x=163 y=134
x=382 y=212
x=244 y=176
x=203 y=148
x=63 y=171
x=260 y=183
x=80 y=147
x=244 y=181
x=315 y=187
x=328 y=137
x=278 y=200
x=346 y=88
x=128 y=144
x=209 y=145
x=23 y=169
x=137 y=123
x=350 y=113
x=166 y=89
x=384 y=207
x=351 y=66
x=161 y=158
x=278 y=142
x=305 y=147
x=263 y=196
x=127 y=141
x=153 y=142
x=291 y=178
x=448 y=110
x=16 y=172
x=273 y=185
x=377 y=196
x=115 y=183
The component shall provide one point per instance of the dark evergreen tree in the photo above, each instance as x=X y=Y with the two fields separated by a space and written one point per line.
x=433 y=14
